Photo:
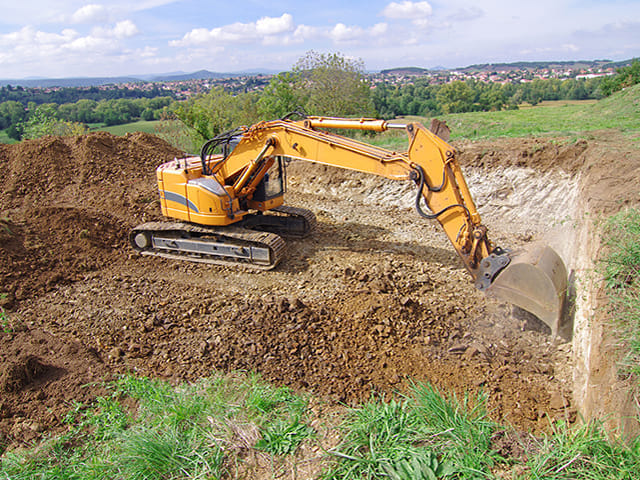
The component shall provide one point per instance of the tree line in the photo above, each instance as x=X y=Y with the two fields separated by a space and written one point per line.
x=425 y=99
x=73 y=94
x=318 y=84
x=14 y=116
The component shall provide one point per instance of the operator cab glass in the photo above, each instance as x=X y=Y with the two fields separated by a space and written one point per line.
x=273 y=183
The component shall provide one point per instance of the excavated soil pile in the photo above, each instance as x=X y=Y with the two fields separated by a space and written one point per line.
x=67 y=204
x=374 y=299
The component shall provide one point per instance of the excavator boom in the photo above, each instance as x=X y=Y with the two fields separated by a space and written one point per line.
x=243 y=186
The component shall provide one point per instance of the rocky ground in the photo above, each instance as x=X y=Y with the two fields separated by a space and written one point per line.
x=375 y=299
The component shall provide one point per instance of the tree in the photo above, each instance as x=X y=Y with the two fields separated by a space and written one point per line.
x=334 y=85
x=147 y=114
x=626 y=77
x=455 y=97
x=283 y=95
x=212 y=113
x=44 y=121
x=11 y=113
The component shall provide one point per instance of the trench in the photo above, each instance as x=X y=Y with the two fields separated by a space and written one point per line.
x=522 y=205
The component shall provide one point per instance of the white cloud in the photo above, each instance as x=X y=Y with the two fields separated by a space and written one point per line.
x=342 y=33
x=407 y=10
x=30 y=49
x=89 y=44
x=91 y=13
x=120 y=31
x=30 y=37
x=379 y=29
x=274 y=26
x=306 y=32
x=125 y=29
x=264 y=29
x=281 y=31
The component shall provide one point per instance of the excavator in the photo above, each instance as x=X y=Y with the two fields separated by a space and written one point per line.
x=227 y=205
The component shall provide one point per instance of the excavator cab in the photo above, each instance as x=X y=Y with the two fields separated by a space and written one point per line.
x=273 y=184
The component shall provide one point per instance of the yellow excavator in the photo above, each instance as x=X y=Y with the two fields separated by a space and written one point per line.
x=228 y=204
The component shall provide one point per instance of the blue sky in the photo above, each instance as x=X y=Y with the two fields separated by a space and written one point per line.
x=68 y=38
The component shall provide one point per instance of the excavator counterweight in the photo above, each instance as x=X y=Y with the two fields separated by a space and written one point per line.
x=228 y=206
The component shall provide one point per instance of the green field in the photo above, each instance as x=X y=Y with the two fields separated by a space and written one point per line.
x=140 y=126
x=620 y=112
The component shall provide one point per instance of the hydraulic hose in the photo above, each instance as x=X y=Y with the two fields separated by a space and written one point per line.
x=421 y=184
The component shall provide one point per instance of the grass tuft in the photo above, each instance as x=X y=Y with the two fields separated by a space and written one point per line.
x=584 y=452
x=427 y=435
x=621 y=270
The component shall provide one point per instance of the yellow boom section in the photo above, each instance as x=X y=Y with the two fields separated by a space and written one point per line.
x=430 y=162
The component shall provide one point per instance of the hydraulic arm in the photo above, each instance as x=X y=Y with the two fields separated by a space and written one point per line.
x=245 y=183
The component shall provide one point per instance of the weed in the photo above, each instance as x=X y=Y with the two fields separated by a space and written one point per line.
x=583 y=452
x=424 y=466
x=283 y=437
x=5 y=321
x=4 y=224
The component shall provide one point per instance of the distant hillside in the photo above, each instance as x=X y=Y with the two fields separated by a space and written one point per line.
x=576 y=65
x=405 y=71
x=199 y=75
x=98 y=81
x=68 y=82
x=516 y=66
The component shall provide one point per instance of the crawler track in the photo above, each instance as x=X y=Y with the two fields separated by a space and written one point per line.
x=215 y=245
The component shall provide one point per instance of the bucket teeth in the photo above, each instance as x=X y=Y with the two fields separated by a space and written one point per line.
x=535 y=281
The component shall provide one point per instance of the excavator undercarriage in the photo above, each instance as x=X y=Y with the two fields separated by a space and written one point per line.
x=255 y=243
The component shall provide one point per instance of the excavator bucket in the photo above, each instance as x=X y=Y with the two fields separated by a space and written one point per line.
x=536 y=281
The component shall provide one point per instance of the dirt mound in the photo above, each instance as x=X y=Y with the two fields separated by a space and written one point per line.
x=114 y=175
x=537 y=153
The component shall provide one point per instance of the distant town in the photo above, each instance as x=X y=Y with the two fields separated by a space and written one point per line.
x=188 y=85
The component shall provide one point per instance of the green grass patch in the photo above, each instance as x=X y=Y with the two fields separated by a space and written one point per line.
x=557 y=103
x=147 y=429
x=140 y=126
x=583 y=452
x=4 y=138
x=620 y=111
x=426 y=435
x=621 y=269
